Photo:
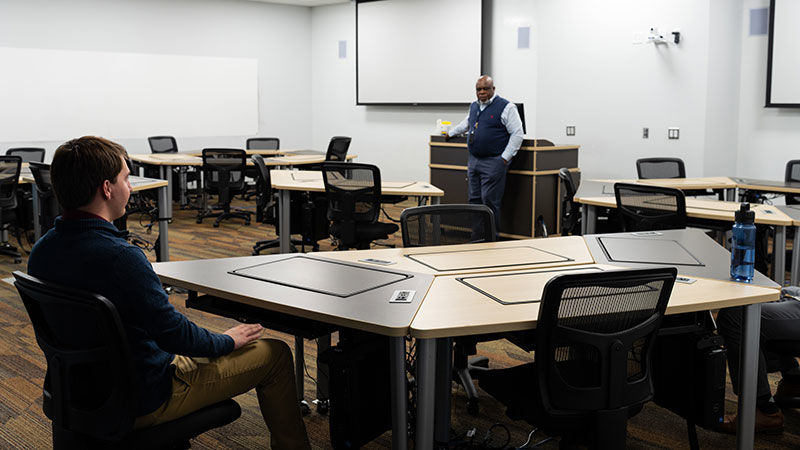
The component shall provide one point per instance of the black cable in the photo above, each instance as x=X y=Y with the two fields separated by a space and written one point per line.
x=487 y=439
x=388 y=216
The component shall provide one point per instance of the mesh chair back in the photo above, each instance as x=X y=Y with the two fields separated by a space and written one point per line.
x=264 y=194
x=353 y=191
x=263 y=143
x=645 y=208
x=89 y=387
x=162 y=144
x=27 y=154
x=223 y=168
x=570 y=211
x=9 y=177
x=660 y=168
x=48 y=203
x=594 y=337
x=447 y=224
x=337 y=148
x=792 y=174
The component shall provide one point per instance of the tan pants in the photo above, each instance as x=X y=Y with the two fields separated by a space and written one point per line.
x=264 y=364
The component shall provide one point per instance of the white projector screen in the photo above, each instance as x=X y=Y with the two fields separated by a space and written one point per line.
x=417 y=51
x=783 y=68
x=54 y=95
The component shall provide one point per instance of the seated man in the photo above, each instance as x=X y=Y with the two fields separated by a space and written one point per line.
x=181 y=367
x=780 y=320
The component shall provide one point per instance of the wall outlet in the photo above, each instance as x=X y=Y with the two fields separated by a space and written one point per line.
x=570 y=130
x=645 y=133
x=673 y=133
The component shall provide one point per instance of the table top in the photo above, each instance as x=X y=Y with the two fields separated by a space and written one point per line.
x=188 y=159
x=367 y=311
x=311 y=181
x=680 y=183
x=767 y=185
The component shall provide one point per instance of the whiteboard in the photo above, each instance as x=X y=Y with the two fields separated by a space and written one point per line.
x=417 y=51
x=783 y=68
x=54 y=95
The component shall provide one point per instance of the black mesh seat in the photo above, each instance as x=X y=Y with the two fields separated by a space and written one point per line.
x=570 y=211
x=28 y=154
x=354 y=203
x=89 y=387
x=594 y=338
x=49 y=208
x=223 y=176
x=645 y=208
x=10 y=167
x=648 y=168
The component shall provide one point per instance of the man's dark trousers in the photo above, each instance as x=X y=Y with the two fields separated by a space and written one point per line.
x=487 y=181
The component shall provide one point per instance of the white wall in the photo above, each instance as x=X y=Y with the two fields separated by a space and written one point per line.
x=277 y=35
x=396 y=138
x=768 y=137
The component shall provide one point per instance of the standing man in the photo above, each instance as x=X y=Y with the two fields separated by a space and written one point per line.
x=494 y=135
x=180 y=366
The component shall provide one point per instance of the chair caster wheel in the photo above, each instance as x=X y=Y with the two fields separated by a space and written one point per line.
x=216 y=225
x=304 y=408
x=323 y=406
x=17 y=260
x=255 y=253
x=199 y=221
x=472 y=406
x=247 y=223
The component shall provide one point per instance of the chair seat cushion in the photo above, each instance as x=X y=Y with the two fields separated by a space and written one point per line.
x=186 y=427
x=365 y=231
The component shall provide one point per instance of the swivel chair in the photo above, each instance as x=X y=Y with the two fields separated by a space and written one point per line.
x=223 y=174
x=27 y=154
x=646 y=208
x=570 y=211
x=89 y=389
x=337 y=148
x=49 y=208
x=167 y=144
x=266 y=207
x=648 y=168
x=445 y=225
x=9 y=177
x=354 y=203
x=592 y=370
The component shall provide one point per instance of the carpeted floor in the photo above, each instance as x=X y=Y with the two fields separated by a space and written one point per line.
x=23 y=425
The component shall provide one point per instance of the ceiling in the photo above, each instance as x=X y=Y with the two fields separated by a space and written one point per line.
x=304 y=2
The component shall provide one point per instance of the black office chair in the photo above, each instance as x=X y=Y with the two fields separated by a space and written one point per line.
x=570 y=211
x=263 y=143
x=49 y=208
x=223 y=174
x=168 y=144
x=445 y=225
x=646 y=208
x=27 y=154
x=10 y=167
x=354 y=201
x=648 y=168
x=267 y=208
x=89 y=389
x=592 y=368
x=337 y=148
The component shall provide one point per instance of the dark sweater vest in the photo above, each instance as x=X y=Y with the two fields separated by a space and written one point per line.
x=489 y=137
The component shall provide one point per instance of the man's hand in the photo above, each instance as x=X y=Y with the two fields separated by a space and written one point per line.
x=244 y=333
x=446 y=137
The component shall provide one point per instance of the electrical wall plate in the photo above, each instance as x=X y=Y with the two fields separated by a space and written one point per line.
x=645 y=133
x=673 y=133
x=570 y=130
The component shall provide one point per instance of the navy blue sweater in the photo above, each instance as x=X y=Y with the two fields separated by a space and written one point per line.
x=91 y=254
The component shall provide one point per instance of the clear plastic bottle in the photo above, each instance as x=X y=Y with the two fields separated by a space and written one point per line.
x=743 y=244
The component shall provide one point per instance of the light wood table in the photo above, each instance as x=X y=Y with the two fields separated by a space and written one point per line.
x=592 y=195
x=285 y=181
x=451 y=308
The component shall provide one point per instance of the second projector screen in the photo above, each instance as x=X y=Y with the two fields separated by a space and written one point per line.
x=417 y=51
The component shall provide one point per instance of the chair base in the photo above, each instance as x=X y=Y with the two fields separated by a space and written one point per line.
x=241 y=214
x=10 y=250
x=274 y=243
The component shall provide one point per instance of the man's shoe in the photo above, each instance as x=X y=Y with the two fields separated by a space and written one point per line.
x=765 y=423
x=787 y=394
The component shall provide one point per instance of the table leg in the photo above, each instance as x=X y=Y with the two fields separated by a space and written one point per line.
x=165 y=173
x=163 y=222
x=435 y=200
x=284 y=231
x=795 y=279
x=441 y=432
x=397 y=384
x=779 y=251
x=748 y=368
x=730 y=194
x=299 y=364
x=37 y=210
x=589 y=222
x=426 y=386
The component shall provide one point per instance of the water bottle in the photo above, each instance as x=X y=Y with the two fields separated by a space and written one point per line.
x=743 y=244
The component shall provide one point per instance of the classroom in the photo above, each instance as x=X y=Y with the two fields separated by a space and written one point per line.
x=602 y=83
